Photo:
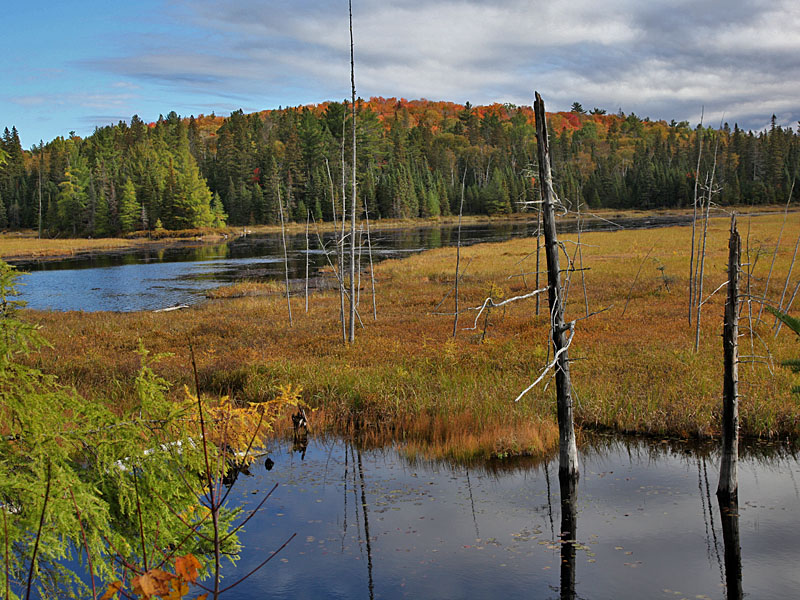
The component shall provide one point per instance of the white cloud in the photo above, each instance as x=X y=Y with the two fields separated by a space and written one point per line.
x=660 y=59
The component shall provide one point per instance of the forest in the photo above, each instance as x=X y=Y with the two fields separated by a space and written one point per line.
x=414 y=158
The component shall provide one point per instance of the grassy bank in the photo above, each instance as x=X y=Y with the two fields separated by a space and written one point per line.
x=407 y=379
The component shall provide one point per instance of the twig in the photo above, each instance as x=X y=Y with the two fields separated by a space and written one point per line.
x=38 y=533
x=489 y=303
x=552 y=363
x=7 y=553
x=85 y=544
x=722 y=285
x=141 y=523
x=269 y=558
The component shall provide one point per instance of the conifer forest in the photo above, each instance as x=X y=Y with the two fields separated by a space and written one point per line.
x=414 y=156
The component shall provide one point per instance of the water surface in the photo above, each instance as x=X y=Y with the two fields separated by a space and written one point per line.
x=152 y=279
x=369 y=524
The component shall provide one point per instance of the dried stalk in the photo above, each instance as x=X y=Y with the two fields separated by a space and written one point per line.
x=458 y=249
x=580 y=263
x=308 y=249
x=699 y=283
x=371 y=266
x=694 y=217
x=285 y=256
x=775 y=253
x=635 y=279
x=709 y=194
x=788 y=276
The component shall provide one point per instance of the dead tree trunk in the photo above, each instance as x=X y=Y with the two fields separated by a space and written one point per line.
x=728 y=479
x=568 y=452
x=352 y=329
x=538 y=251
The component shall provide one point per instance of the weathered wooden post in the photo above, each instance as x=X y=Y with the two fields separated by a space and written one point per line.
x=728 y=478
x=568 y=452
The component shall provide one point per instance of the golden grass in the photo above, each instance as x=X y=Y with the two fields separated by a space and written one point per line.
x=407 y=380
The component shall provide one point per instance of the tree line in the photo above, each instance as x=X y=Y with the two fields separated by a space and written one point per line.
x=413 y=159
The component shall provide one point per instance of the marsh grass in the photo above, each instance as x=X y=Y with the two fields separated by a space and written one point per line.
x=405 y=379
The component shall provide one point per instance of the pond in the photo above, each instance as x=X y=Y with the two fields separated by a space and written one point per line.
x=371 y=524
x=152 y=279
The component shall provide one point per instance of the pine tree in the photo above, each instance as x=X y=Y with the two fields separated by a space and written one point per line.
x=218 y=211
x=130 y=211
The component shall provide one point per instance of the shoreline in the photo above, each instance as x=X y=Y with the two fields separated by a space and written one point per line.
x=23 y=246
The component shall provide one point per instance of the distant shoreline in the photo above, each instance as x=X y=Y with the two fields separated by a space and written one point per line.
x=24 y=245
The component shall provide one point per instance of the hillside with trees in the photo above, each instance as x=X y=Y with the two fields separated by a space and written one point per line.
x=181 y=173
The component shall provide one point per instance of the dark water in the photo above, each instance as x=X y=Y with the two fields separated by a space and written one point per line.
x=153 y=279
x=369 y=524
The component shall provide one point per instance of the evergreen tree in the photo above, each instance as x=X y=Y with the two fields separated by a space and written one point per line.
x=130 y=212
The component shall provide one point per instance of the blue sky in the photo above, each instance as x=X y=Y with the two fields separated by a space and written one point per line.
x=71 y=65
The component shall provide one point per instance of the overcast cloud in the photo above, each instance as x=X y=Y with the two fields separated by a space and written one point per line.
x=657 y=59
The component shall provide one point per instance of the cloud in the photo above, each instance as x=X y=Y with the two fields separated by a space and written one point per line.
x=127 y=85
x=664 y=59
x=94 y=100
x=34 y=100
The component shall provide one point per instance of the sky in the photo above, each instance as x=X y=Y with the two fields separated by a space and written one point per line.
x=73 y=65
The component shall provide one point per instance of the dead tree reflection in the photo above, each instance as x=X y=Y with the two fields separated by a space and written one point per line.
x=569 y=530
x=729 y=514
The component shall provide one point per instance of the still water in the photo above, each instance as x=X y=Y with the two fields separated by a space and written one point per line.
x=370 y=524
x=158 y=278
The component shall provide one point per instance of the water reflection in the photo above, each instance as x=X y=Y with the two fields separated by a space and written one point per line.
x=569 y=533
x=729 y=513
x=160 y=277
x=372 y=525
